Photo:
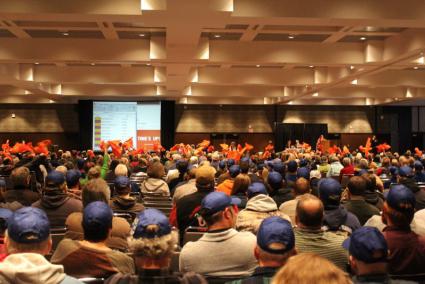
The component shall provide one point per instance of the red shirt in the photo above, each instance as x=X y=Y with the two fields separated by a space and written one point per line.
x=348 y=170
x=406 y=252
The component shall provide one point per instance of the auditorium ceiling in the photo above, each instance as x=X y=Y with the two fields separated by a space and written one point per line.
x=304 y=52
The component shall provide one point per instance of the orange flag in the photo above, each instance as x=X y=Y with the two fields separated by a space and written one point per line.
x=128 y=144
x=366 y=149
x=116 y=149
x=418 y=152
x=383 y=147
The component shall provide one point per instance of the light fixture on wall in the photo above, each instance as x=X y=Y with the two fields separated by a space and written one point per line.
x=13 y=115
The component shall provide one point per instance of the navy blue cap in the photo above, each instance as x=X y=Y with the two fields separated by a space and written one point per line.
x=418 y=165
x=393 y=170
x=405 y=171
x=278 y=167
x=28 y=225
x=365 y=244
x=217 y=201
x=303 y=163
x=72 y=177
x=303 y=172
x=400 y=198
x=152 y=217
x=275 y=230
x=230 y=162
x=274 y=178
x=256 y=188
x=222 y=164
x=260 y=166
x=292 y=166
x=97 y=215
x=330 y=191
x=245 y=159
x=234 y=171
x=122 y=182
x=55 y=178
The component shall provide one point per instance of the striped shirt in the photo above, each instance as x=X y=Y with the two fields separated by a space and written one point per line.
x=326 y=244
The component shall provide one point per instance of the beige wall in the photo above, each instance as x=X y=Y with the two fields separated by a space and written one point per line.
x=338 y=121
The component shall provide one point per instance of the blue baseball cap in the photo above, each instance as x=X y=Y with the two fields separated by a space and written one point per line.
x=275 y=230
x=292 y=166
x=234 y=171
x=152 y=217
x=72 y=177
x=303 y=172
x=217 y=201
x=122 y=182
x=303 y=163
x=222 y=164
x=274 y=178
x=418 y=166
x=256 y=188
x=278 y=167
x=393 y=170
x=330 y=191
x=55 y=178
x=400 y=198
x=230 y=162
x=97 y=215
x=367 y=244
x=405 y=171
x=28 y=225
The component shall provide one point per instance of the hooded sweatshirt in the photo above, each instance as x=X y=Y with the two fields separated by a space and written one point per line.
x=155 y=186
x=129 y=204
x=339 y=219
x=32 y=268
x=257 y=209
x=58 y=206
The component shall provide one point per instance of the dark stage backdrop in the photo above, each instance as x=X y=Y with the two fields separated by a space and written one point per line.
x=304 y=132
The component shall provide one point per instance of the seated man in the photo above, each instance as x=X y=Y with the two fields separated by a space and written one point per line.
x=406 y=248
x=275 y=245
x=27 y=241
x=336 y=217
x=278 y=190
x=301 y=187
x=5 y=215
x=55 y=200
x=73 y=183
x=91 y=257
x=123 y=201
x=259 y=206
x=152 y=245
x=98 y=190
x=309 y=237
x=21 y=194
x=222 y=251
x=357 y=203
x=368 y=256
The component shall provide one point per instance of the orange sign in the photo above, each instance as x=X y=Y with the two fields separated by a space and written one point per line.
x=146 y=138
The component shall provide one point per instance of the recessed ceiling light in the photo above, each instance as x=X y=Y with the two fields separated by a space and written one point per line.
x=416 y=67
x=148 y=64
x=258 y=65
x=65 y=33
x=363 y=38
x=217 y=36
x=291 y=37
x=92 y=64
x=396 y=99
x=352 y=67
x=311 y=66
x=36 y=63
x=315 y=94
x=141 y=35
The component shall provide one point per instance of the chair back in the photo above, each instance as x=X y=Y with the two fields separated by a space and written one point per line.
x=192 y=234
x=129 y=216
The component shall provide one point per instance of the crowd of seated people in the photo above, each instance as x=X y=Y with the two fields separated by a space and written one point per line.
x=196 y=217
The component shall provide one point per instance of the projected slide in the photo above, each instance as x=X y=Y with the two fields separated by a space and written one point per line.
x=122 y=120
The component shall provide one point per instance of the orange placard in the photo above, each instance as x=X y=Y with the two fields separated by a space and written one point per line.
x=146 y=139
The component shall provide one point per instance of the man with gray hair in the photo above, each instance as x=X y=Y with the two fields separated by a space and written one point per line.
x=27 y=241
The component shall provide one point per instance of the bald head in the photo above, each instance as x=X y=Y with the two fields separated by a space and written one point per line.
x=302 y=186
x=309 y=213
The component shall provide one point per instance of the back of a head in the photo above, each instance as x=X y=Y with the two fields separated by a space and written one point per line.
x=274 y=179
x=307 y=268
x=156 y=170
x=94 y=173
x=244 y=166
x=205 y=177
x=302 y=186
x=182 y=165
x=346 y=161
x=241 y=184
x=399 y=206
x=97 y=221
x=357 y=186
x=121 y=170
x=96 y=190
x=370 y=182
x=20 y=177
x=309 y=211
x=72 y=178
